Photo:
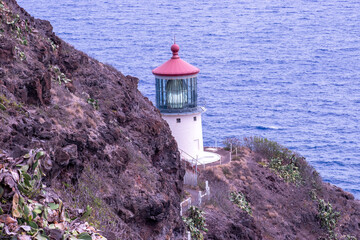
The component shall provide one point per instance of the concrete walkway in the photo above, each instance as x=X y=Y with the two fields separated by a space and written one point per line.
x=225 y=159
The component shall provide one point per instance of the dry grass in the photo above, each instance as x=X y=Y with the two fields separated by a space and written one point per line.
x=266 y=150
x=219 y=189
x=272 y=214
x=90 y=191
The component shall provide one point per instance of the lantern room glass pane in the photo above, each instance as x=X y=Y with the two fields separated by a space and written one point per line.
x=176 y=95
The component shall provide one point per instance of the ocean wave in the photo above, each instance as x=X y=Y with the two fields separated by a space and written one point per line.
x=268 y=127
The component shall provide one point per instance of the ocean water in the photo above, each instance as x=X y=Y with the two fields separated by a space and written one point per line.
x=285 y=70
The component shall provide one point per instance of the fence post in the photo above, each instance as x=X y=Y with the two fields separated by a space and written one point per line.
x=197 y=158
x=188 y=235
x=236 y=151
x=199 y=198
x=230 y=147
x=207 y=188
x=180 y=209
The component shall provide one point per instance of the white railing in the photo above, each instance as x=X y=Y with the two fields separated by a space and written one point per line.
x=188 y=201
x=183 y=152
x=194 y=161
x=199 y=202
x=191 y=159
x=206 y=194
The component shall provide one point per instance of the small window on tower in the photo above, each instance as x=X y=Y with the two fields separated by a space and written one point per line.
x=194 y=118
x=178 y=120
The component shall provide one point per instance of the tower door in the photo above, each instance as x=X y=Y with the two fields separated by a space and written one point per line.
x=197 y=144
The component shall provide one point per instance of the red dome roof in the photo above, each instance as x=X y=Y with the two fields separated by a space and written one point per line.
x=175 y=66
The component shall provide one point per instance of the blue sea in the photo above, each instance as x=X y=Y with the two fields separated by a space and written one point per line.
x=285 y=70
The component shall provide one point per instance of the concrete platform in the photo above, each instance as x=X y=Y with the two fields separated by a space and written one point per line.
x=211 y=156
x=208 y=157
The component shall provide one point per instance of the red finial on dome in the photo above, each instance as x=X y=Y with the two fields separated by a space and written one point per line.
x=175 y=49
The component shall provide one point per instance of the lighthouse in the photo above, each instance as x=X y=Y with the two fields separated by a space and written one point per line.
x=177 y=100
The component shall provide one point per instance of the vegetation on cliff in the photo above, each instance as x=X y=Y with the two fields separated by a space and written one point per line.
x=30 y=210
x=195 y=222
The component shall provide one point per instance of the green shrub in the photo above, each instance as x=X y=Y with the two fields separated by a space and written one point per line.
x=195 y=223
x=20 y=54
x=93 y=102
x=6 y=104
x=327 y=216
x=231 y=142
x=52 y=44
x=348 y=237
x=30 y=180
x=59 y=76
x=239 y=199
x=267 y=148
x=290 y=165
x=14 y=21
x=288 y=172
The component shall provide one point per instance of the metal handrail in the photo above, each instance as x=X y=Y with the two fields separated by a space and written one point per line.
x=192 y=158
x=182 y=151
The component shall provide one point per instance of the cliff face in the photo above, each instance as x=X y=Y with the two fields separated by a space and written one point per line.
x=108 y=144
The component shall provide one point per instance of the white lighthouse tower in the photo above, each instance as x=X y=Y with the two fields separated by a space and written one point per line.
x=176 y=98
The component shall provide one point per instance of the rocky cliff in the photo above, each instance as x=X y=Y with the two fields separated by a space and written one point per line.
x=269 y=192
x=109 y=147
